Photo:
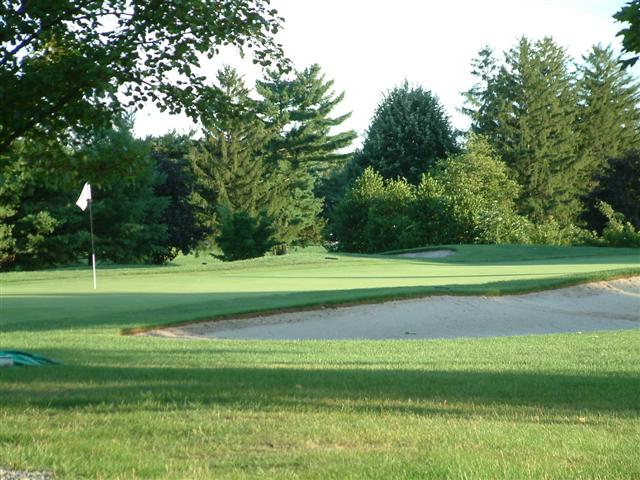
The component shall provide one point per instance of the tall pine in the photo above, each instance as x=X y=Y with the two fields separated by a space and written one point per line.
x=609 y=111
x=230 y=172
x=532 y=103
x=303 y=146
x=481 y=102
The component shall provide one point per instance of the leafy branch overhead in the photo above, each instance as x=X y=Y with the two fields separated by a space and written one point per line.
x=630 y=13
x=73 y=64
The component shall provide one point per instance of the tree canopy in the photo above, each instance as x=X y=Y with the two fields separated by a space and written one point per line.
x=68 y=64
x=527 y=109
x=409 y=132
x=630 y=13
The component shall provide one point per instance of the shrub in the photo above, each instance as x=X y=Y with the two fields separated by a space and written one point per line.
x=550 y=232
x=389 y=224
x=243 y=236
x=351 y=215
x=618 y=232
x=469 y=198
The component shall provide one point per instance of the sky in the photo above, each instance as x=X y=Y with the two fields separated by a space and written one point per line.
x=370 y=46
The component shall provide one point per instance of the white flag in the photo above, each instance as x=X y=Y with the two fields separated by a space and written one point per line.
x=85 y=196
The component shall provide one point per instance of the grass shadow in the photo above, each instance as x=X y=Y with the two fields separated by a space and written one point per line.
x=403 y=390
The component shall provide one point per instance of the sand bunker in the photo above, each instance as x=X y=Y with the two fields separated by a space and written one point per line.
x=428 y=254
x=597 y=306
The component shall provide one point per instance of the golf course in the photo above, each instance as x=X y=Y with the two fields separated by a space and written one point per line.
x=121 y=404
x=267 y=239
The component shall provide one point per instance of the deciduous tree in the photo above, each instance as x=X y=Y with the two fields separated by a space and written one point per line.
x=630 y=13
x=63 y=63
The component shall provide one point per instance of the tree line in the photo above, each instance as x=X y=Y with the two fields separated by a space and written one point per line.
x=552 y=155
x=248 y=185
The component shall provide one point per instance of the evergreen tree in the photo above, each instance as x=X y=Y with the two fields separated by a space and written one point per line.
x=303 y=147
x=243 y=236
x=334 y=184
x=299 y=109
x=481 y=102
x=228 y=165
x=532 y=103
x=128 y=220
x=619 y=186
x=46 y=228
x=409 y=132
x=170 y=153
x=609 y=112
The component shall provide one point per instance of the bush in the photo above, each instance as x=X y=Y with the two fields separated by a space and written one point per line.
x=550 y=232
x=243 y=236
x=389 y=223
x=351 y=216
x=617 y=232
x=469 y=198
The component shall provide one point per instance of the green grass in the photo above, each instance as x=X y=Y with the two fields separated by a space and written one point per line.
x=129 y=298
x=554 y=406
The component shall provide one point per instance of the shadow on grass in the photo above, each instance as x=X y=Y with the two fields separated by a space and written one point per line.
x=406 y=391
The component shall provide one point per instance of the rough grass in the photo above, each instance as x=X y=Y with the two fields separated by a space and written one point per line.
x=554 y=406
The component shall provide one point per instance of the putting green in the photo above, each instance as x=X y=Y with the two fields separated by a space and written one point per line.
x=189 y=290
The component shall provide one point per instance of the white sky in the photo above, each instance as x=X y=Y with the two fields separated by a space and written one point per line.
x=369 y=46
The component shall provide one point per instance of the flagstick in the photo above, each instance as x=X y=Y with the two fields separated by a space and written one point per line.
x=93 y=253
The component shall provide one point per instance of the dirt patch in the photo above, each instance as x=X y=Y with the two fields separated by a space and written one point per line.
x=608 y=305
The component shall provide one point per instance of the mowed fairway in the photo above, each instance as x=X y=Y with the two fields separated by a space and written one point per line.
x=554 y=406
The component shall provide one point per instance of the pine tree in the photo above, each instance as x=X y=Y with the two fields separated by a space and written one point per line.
x=481 y=102
x=229 y=168
x=300 y=109
x=170 y=153
x=531 y=103
x=303 y=147
x=609 y=111
x=409 y=132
